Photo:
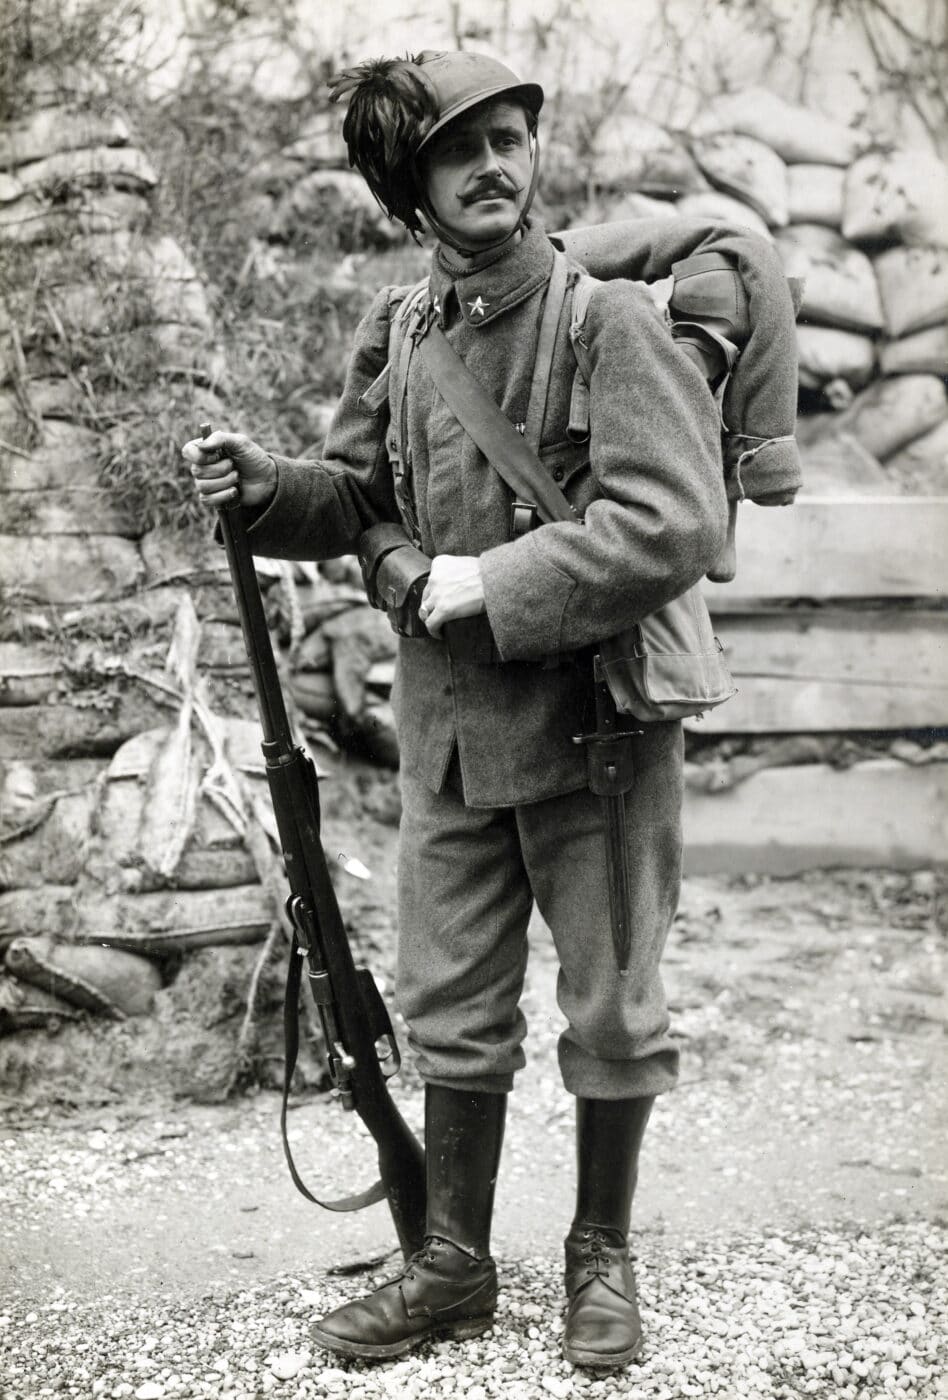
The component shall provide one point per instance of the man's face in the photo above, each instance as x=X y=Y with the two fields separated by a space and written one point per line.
x=477 y=173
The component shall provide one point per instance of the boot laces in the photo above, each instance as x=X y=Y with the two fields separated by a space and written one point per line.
x=595 y=1250
x=425 y=1255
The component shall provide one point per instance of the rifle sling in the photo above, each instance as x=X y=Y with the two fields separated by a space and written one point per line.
x=291 y=1034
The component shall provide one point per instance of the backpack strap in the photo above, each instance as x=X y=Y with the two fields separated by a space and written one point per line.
x=577 y=429
x=546 y=345
x=392 y=385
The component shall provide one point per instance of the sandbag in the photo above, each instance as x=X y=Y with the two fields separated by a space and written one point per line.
x=723 y=208
x=67 y=457
x=313 y=653
x=815 y=194
x=315 y=693
x=839 y=282
x=28 y=672
x=69 y=568
x=376 y=725
x=77 y=730
x=170 y=554
x=922 y=465
x=56 y=129
x=335 y=198
x=924 y=352
x=128 y=303
x=913 y=285
x=33 y=221
x=26 y=913
x=51 y=845
x=160 y=923
x=358 y=640
x=68 y=511
x=826 y=353
x=628 y=206
x=215 y=855
x=796 y=133
x=631 y=152
x=107 y=981
x=24 y=1007
x=841 y=466
x=893 y=412
x=121 y=167
x=750 y=171
x=319 y=144
x=900 y=195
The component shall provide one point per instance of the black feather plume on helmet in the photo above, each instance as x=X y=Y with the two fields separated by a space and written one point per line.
x=391 y=106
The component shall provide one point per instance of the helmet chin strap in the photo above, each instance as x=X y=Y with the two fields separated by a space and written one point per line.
x=444 y=235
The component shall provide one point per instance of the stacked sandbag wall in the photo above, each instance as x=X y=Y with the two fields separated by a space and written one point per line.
x=867 y=229
x=128 y=843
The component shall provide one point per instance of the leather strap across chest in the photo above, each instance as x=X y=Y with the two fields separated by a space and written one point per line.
x=512 y=455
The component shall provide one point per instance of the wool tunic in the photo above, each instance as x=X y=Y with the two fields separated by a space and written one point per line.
x=648 y=483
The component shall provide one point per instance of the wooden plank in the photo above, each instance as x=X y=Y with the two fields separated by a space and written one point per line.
x=824 y=548
x=820 y=670
x=786 y=820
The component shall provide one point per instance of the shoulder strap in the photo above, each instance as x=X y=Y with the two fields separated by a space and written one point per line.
x=546 y=346
x=491 y=429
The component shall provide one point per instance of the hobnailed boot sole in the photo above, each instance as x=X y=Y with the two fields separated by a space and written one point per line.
x=461 y=1331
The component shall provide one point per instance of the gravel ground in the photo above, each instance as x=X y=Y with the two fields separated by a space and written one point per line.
x=804 y=1314
x=791 y=1225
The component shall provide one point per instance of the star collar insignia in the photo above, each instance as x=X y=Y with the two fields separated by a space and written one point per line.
x=478 y=307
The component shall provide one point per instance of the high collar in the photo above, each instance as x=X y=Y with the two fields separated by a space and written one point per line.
x=486 y=292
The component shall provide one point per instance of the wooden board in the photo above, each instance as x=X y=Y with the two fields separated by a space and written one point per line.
x=785 y=820
x=819 y=670
x=824 y=548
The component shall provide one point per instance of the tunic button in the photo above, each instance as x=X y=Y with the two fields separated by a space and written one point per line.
x=558 y=473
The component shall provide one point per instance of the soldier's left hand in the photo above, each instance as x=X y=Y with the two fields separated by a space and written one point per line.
x=454 y=589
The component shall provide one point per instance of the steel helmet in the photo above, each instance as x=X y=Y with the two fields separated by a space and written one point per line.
x=397 y=105
x=462 y=80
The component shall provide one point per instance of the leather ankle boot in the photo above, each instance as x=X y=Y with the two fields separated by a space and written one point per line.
x=448 y=1288
x=603 y=1327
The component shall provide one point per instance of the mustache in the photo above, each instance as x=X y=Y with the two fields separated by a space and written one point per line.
x=495 y=186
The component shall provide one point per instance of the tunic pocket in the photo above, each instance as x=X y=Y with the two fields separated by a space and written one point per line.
x=568 y=465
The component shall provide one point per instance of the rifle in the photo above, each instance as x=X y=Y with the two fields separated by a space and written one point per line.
x=361 y=1049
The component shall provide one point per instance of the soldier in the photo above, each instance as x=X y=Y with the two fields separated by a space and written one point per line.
x=497 y=813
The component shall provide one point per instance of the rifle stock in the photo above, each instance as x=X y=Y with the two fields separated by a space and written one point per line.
x=360 y=1043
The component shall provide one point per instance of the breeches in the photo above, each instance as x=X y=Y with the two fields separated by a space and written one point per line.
x=468 y=878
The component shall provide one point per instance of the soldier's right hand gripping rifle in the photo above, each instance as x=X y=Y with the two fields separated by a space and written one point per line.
x=360 y=1045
